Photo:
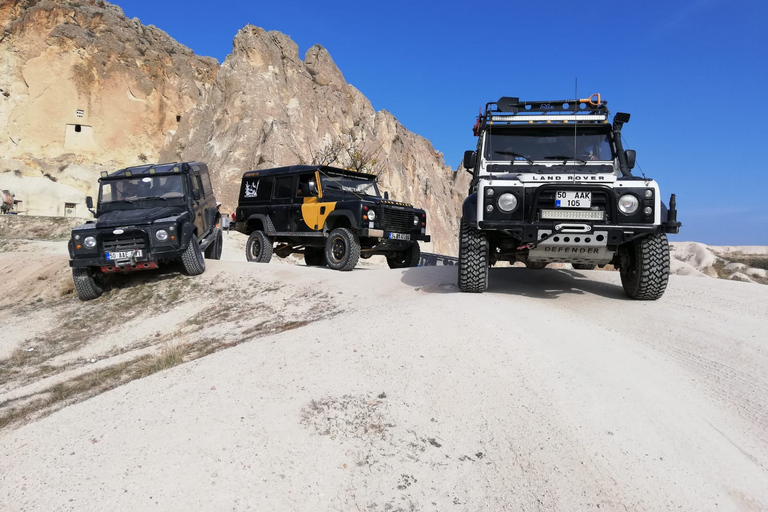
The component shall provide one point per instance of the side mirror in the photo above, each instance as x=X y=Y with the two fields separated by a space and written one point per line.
x=196 y=194
x=89 y=204
x=470 y=159
x=386 y=195
x=630 y=156
x=313 y=188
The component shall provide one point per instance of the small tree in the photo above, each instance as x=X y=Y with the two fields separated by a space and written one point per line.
x=355 y=155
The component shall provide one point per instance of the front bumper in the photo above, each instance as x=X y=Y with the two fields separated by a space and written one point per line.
x=135 y=249
x=604 y=235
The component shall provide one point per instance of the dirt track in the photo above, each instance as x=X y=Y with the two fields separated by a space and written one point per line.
x=549 y=392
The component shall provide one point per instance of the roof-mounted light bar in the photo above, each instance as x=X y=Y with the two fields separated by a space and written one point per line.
x=544 y=117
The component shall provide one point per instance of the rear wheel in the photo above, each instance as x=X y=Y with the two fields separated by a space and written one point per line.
x=213 y=251
x=410 y=257
x=192 y=257
x=315 y=257
x=645 y=267
x=87 y=283
x=342 y=249
x=259 y=247
x=473 y=259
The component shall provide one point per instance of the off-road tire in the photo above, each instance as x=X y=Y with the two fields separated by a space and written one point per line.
x=342 y=249
x=192 y=257
x=259 y=247
x=410 y=257
x=473 y=259
x=213 y=251
x=536 y=265
x=87 y=284
x=584 y=266
x=645 y=267
x=315 y=257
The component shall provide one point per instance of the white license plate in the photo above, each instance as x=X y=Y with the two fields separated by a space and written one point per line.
x=573 y=199
x=399 y=236
x=123 y=255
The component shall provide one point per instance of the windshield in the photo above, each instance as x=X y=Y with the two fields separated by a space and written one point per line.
x=141 y=187
x=547 y=144
x=347 y=184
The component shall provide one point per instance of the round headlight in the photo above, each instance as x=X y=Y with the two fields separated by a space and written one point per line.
x=489 y=192
x=415 y=220
x=507 y=202
x=648 y=193
x=628 y=204
x=161 y=235
x=371 y=215
x=89 y=242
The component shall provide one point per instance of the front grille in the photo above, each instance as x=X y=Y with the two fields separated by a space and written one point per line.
x=124 y=243
x=398 y=221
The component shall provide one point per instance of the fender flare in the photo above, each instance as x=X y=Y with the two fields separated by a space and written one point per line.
x=354 y=223
x=469 y=208
x=187 y=230
x=261 y=218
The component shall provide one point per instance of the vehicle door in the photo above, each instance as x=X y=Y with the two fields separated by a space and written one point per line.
x=282 y=203
x=311 y=212
x=199 y=203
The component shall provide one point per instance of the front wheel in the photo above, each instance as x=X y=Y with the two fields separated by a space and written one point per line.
x=473 y=258
x=342 y=249
x=259 y=247
x=645 y=267
x=411 y=257
x=87 y=283
x=192 y=257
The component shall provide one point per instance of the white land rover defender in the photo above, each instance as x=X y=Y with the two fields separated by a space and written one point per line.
x=553 y=183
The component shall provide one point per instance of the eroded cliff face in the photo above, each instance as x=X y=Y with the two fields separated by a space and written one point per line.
x=270 y=108
x=83 y=87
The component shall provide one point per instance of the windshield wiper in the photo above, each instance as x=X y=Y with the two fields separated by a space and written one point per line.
x=564 y=158
x=153 y=197
x=512 y=153
x=120 y=201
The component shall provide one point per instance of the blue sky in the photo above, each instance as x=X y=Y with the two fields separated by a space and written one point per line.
x=692 y=73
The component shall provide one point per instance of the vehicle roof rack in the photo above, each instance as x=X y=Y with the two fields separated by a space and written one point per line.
x=509 y=110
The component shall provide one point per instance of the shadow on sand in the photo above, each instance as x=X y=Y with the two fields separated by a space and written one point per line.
x=541 y=284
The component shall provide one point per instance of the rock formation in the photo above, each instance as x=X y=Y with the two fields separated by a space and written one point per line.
x=85 y=89
x=268 y=108
x=81 y=87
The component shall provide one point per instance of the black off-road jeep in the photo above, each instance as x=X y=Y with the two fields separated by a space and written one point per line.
x=553 y=183
x=332 y=216
x=146 y=216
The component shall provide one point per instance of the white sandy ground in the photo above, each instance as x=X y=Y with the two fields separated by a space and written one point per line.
x=551 y=391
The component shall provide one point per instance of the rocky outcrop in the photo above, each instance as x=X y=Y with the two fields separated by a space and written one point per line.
x=269 y=108
x=81 y=87
x=85 y=89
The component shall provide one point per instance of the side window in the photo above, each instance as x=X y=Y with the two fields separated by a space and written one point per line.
x=257 y=189
x=284 y=187
x=304 y=189
x=194 y=179
x=264 y=191
x=206 y=183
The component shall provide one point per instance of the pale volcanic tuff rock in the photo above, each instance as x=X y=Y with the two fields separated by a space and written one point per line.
x=268 y=108
x=83 y=88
